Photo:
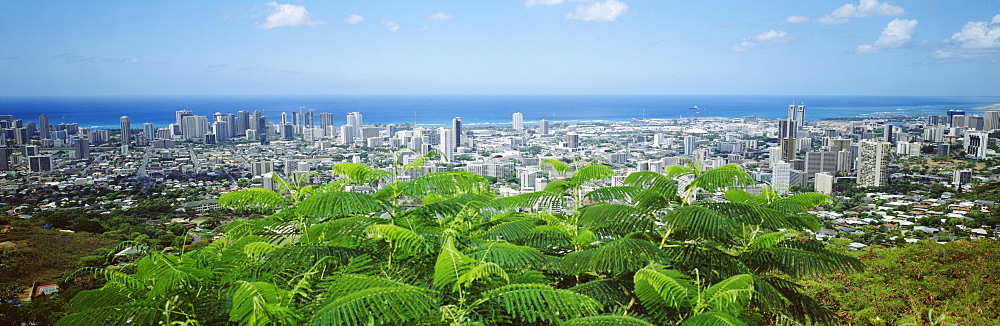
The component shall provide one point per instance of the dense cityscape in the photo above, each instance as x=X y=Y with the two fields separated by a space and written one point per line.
x=500 y=163
x=894 y=180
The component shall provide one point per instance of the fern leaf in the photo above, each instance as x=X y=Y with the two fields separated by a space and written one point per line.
x=451 y=265
x=625 y=256
x=260 y=303
x=713 y=318
x=620 y=194
x=606 y=321
x=404 y=241
x=530 y=303
x=560 y=167
x=376 y=306
x=593 y=172
x=655 y=285
x=482 y=271
x=334 y=204
x=255 y=199
x=509 y=256
x=731 y=295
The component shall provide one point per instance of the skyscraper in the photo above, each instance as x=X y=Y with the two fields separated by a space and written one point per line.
x=308 y=117
x=572 y=140
x=800 y=116
x=447 y=146
x=149 y=130
x=325 y=121
x=43 y=127
x=242 y=122
x=991 y=120
x=354 y=120
x=126 y=127
x=689 y=145
x=543 y=127
x=873 y=163
x=952 y=114
x=194 y=127
x=180 y=114
x=221 y=130
x=518 y=121
x=81 y=149
x=456 y=129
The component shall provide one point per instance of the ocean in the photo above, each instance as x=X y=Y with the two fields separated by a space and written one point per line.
x=103 y=112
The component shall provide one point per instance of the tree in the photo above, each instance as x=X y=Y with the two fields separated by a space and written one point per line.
x=444 y=249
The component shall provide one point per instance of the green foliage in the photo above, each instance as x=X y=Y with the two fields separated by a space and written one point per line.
x=955 y=280
x=443 y=249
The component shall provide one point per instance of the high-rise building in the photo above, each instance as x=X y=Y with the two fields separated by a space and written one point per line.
x=81 y=149
x=325 y=122
x=821 y=162
x=952 y=114
x=194 y=127
x=456 y=130
x=308 y=119
x=221 y=130
x=824 y=183
x=975 y=144
x=40 y=163
x=572 y=140
x=354 y=120
x=960 y=177
x=447 y=145
x=800 y=116
x=261 y=167
x=4 y=158
x=242 y=122
x=889 y=133
x=518 y=121
x=43 y=127
x=347 y=134
x=126 y=128
x=788 y=149
x=180 y=114
x=991 y=120
x=786 y=129
x=391 y=130
x=257 y=123
x=287 y=131
x=543 y=127
x=781 y=178
x=690 y=142
x=149 y=130
x=873 y=163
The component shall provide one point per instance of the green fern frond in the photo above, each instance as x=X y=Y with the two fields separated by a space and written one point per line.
x=625 y=256
x=261 y=303
x=509 y=256
x=449 y=184
x=713 y=318
x=396 y=305
x=726 y=176
x=334 y=204
x=560 y=167
x=698 y=222
x=530 y=303
x=620 y=194
x=655 y=285
x=512 y=230
x=611 y=293
x=731 y=295
x=404 y=241
x=255 y=199
x=606 y=321
x=593 y=172
x=482 y=271
x=451 y=265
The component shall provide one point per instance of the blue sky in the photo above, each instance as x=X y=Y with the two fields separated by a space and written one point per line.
x=816 y=47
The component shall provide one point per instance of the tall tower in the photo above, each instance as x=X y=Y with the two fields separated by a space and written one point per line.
x=543 y=127
x=689 y=145
x=456 y=129
x=518 y=121
x=991 y=120
x=194 y=127
x=126 y=126
x=800 y=116
x=242 y=122
x=43 y=127
x=149 y=130
x=447 y=146
x=873 y=163
x=354 y=120
x=325 y=121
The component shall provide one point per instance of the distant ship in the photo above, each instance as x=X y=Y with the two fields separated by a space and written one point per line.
x=694 y=108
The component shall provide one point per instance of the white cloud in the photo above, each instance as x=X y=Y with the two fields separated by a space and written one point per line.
x=532 y=3
x=771 y=37
x=439 y=16
x=606 y=11
x=979 y=35
x=354 y=19
x=288 y=15
x=390 y=25
x=866 y=8
x=896 y=34
x=797 y=19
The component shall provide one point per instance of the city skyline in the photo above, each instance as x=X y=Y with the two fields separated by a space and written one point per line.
x=844 y=47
